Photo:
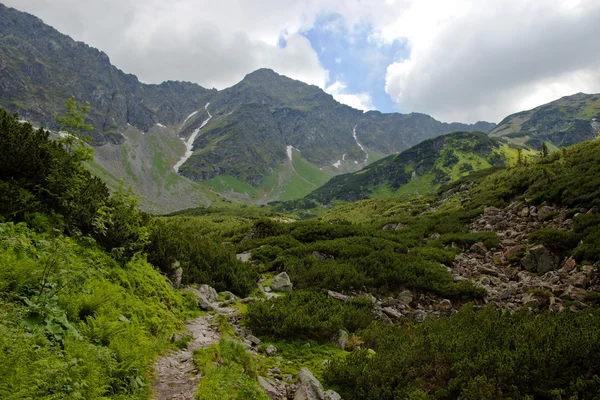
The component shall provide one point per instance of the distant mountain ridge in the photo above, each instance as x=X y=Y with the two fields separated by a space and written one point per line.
x=418 y=170
x=563 y=122
x=41 y=68
x=270 y=137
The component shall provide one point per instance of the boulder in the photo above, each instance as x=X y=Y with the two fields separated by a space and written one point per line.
x=331 y=395
x=205 y=305
x=574 y=293
x=282 y=283
x=544 y=211
x=229 y=296
x=393 y=226
x=445 y=305
x=245 y=257
x=512 y=251
x=206 y=299
x=209 y=293
x=176 y=275
x=392 y=312
x=321 y=256
x=336 y=295
x=405 y=297
x=541 y=260
x=271 y=350
x=309 y=387
x=420 y=316
x=341 y=339
x=254 y=340
x=269 y=388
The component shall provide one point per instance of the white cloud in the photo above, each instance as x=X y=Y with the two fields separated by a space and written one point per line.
x=211 y=43
x=467 y=59
x=472 y=60
x=360 y=101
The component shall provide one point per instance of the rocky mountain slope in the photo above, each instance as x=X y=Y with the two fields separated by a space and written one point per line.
x=270 y=137
x=566 y=121
x=418 y=170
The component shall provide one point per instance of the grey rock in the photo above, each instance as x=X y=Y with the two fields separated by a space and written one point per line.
x=321 y=256
x=176 y=275
x=309 y=387
x=336 y=295
x=341 y=339
x=540 y=259
x=574 y=293
x=271 y=350
x=392 y=312
x=229 y=296
x=331 y=395
x=405 y=297
x=209 y=293
x=420 y=316
x=269 y=388
x=282 y=283
x=254 y=340
x=245 y=257
x=394 y=226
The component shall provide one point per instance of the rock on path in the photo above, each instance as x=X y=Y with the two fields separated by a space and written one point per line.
x=176 y=374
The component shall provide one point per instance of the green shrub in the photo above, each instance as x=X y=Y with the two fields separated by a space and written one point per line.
x=202 y=258
x=307 y=315
x=476 y=355
x=561 y=242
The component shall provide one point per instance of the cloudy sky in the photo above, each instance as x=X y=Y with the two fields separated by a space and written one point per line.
x=458 y=60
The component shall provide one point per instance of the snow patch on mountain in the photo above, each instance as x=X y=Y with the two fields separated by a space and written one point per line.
x=190 y=142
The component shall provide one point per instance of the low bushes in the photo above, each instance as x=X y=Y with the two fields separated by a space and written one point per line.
x=307 y=315
x=476 y=355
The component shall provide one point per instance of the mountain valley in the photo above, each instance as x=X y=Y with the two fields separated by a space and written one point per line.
x=266 y=242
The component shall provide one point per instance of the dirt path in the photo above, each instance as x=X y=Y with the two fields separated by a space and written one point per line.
x=176 y=375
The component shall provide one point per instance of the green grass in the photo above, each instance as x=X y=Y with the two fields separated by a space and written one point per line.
x=224 y=183
x=592 y=110
x=308 y=171
x=75 y=324
x=228 y=372
x=298 y=354
x=127 y=164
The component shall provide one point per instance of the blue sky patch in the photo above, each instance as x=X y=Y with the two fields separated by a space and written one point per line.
x=353 y=59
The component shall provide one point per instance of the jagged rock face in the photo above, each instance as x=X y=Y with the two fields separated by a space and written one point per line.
x=41 y=68
x=254 y=120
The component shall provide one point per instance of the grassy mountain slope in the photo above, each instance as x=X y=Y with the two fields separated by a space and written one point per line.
x=566 y=121
x=419 y=170
x=145 y=162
